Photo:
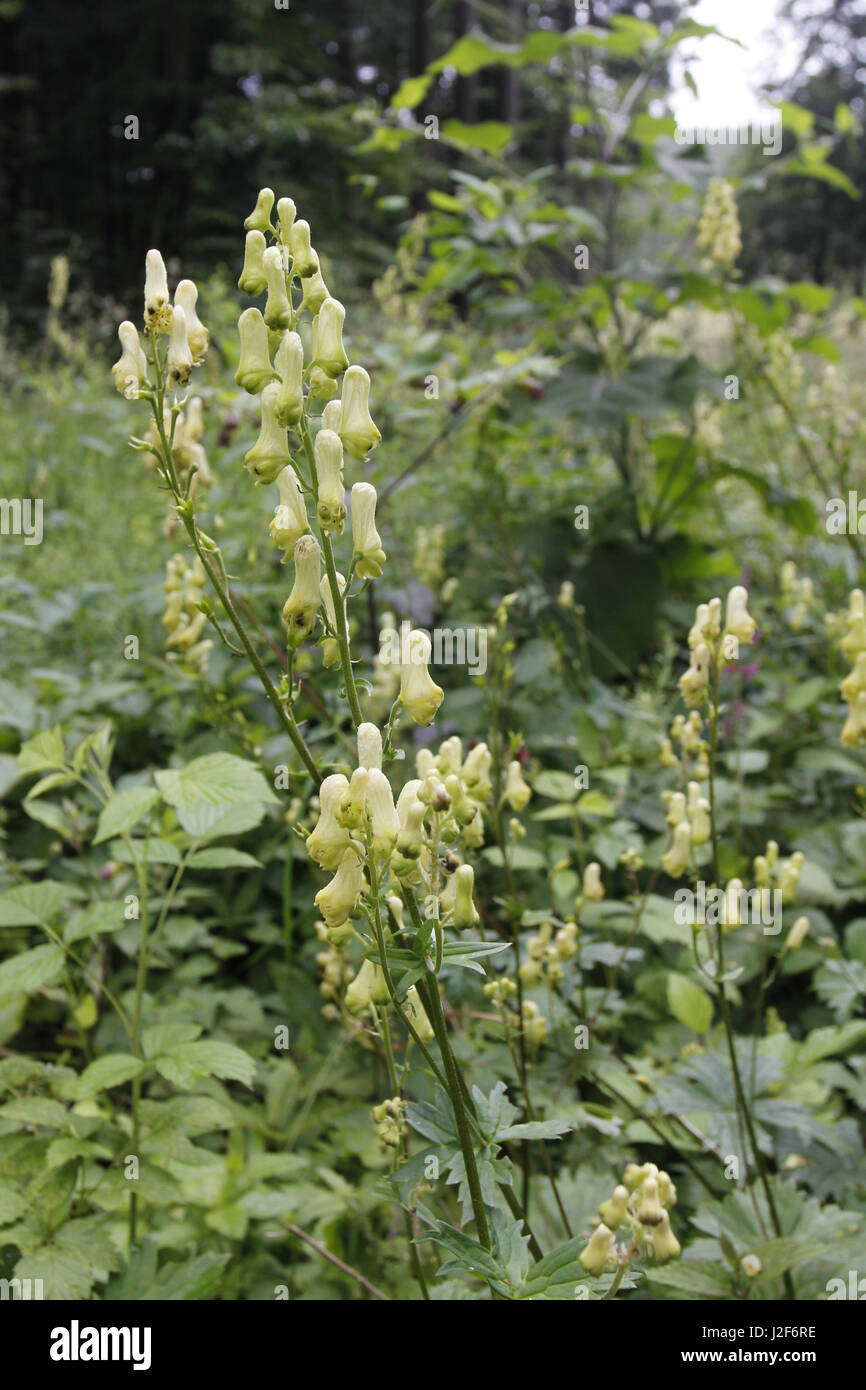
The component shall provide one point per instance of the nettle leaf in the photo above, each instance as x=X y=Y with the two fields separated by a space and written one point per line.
x=12 y=1204
x=36 y=1110
x=202 y=791
x=31 y=970
x=32 y=904
x=109 y=1071
x=162 y=1037
x=689 y=1003
x=124 y=811
x=43 y=752
x=95 y=920
x=186 y=1062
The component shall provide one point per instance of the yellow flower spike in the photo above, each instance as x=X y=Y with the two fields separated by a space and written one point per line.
x=157 y=305
x=517 y=792
x=368 y=987
x=698 y=814
x=328 y=350
x=384 y=823
x=738 y=621
x=278 y=310
x=330 y=646
x=357 y=429
x=302 y=606
x=465 y=912
x=253 y=280
x=315 y=296
x=179 y=358
x=289 y=367
x=612 y=1212
x=676 y=859
x=254 y=368
x=130 y=369
x=305 y=260
x=270 y=453
x=290 y=516
x=600 y=1251
x=353 y=807
x=366 y=541
x=694 y=683
x=664 y=1242
x=417 y=1016
x=186 y=297
x=593 y=888
x=331 y=507
x=369 y=746
x=259 y=219
x=286 y=213
x=420 y=696
x=329 y=840
x=339 y=898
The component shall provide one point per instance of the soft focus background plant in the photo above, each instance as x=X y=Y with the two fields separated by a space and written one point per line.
x=700 y=401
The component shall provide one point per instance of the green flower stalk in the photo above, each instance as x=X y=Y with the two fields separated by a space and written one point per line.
x=270 y=453
x=254 y=367
x=253 y=280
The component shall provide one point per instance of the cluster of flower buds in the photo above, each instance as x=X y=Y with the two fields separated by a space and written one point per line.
x=784 y=874
x=711 y=643
x=798 y=594
x=853 y=687
x=546 y=952
x=187 y=335
x=182 y=619
x=692 y=759
x=688 y=815
x=389 y=1121
x=719 y=226
x=640 y=1204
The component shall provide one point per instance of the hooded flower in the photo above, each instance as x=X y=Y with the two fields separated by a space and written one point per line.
x=738 y=621
x=253 y=280
x=593 y=888
x=286 y=212
x=328 y=350
x=289 y=367
x=254 y=368
x=382 y=812
x=186 y=298
x=338 y=899
x=278 y=310
x=179 y=356
x=367 y=543
x=315 y=294
x=270 y=453
x=290 y=517
x=594 y=1258
x=130 y=369
x=420 y=696
x=410 y=814
x=465 y=913
x=517 y=792
x=330 y=646
x=698 y=814
x=331 y=507
x=304 y=258
x=369 y=746
x=357 y=430
x=675 y=860
x=157 y=307
x=695 y=682
x=302 y=605
x=416 y=1015
x=329 y=840
x=259 y=219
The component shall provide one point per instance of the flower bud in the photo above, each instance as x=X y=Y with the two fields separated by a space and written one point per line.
x=384 y=823
x=751 y=1265
x=612 y=1212
x=417 y=1017
x=733 y=904
x=331 y=416
x=289 y=367
x=566 y=941
x=694 y=683
x=290 y=517
x=366 y=541
x=425 y=762
x=476 y=772
x=186 y=298
x=304 y=259
x=302 y=605
x=357 y=430
x=315 y=295
x=664 y=1242
x=462 y=809
x=322 y=387
x=699 y=814
x=353 y=807
x=600 y=1250
x=650 y=1211
x=286 y=212
x=253 y=279
x=157 y=309
x=130 y=369
x=676 y=859
x=368 y=987
x=420 y=696
x=254 y=368
x=675 y=807
x=330 y=646
x=179 y=359
x=797 y=935
x=270 y=453
x=338 y=899
x=331 y=506
x=517 y=792
x=329 y=840
x=592 y=887
x=667 y=1191
x=259 y=219
x=450 y=755
x=278 y=310
x=369 y=746
x=328 y=350
x=395 y=907
x=465 y=913
x=789 y=877
x=738 y=621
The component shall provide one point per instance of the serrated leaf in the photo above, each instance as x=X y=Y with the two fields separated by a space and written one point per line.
x=222 y=857
x=43 y=752
x=162 y=1037
x=35 y=1110
x=197 y=1059
x=31 y=904
x=105 y=1072
x=124 y=811
x=31 y=970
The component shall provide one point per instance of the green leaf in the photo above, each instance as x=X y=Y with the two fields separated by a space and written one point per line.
x=31 y=970
x=123 y=811
x=203 y=790
x=35 y=1110
x=105 y=1072
x=162 y=1037
x=536 y=1129
x=689 y=1003
x=489 y=136
x=32 y=904
x=222 y=857
x=96 y=920
x=187 y=1062
x=67 y=1274
x=43 y=752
